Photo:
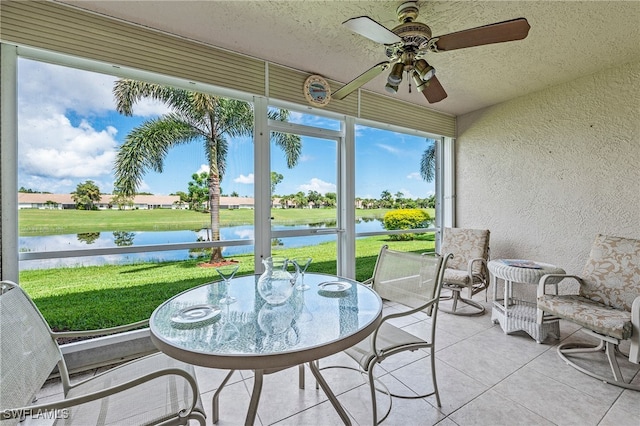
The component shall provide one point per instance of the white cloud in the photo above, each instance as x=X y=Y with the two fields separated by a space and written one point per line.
x=318 y=185
x=46 y=89
x=389 y=148
x=149 y=108
x=204 y=168
x=406 y=193
x=62 y=138
x=245 y=179
x=53 y=147
x=414 y=176
x=303 y=158
x=295 y=117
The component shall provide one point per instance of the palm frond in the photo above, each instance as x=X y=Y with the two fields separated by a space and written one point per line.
x=233 y=118
x=290 y=144
x=145 y=148
x=127 y=92
x=428 y=161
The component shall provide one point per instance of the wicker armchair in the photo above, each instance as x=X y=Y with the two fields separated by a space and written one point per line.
x=607 y=305
x=411 y=280
x=468 y=268
x=152 y=390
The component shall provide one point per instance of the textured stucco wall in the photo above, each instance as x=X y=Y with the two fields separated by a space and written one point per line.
x=548 y=171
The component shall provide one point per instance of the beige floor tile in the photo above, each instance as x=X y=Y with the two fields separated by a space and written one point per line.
x=555 y=401
x=491 y=408
x=456 y=388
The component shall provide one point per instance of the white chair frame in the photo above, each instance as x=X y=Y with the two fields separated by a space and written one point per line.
x=134 y=389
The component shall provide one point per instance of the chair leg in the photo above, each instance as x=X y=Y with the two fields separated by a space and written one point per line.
x=374 y=403
x=455 y=297
x=610 y=350
x=433 y=376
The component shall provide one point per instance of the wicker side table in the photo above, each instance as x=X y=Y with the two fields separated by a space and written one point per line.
x=515 y=314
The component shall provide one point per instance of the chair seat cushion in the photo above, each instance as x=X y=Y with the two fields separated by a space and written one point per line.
x=149 y=403
x=456 y=277
x=389 y=337
x=589 y=314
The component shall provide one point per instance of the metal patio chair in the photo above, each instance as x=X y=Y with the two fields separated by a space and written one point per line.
x=412 y=280
x=154 y=389
x=607 y=305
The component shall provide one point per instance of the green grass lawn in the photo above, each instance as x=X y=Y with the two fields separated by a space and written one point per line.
x=82 y=298
x=92 y=297
x=54 y=222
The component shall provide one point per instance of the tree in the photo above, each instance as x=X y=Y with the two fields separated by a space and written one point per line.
x=386 y=199
x=51 y=204
x=330 y=199
x=314 y=197
x=300 y=199
x=276 y=178
x=85 y=195
x=199 y=191
x=194 y=117
x=428 y=161
x=121 y=200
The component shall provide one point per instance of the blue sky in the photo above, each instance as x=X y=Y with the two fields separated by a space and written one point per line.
x=69 y=132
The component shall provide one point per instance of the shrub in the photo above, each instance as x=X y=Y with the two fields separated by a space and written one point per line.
x=405 y=219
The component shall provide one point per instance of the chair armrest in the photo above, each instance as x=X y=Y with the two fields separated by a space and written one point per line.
x=483 y=265
x=374 y=336
x=368 y=282
x=100 y=332
x=14 y=413
x=634 y=350
x=542 y=284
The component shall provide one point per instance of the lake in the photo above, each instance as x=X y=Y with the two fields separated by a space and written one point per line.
x=119 y=239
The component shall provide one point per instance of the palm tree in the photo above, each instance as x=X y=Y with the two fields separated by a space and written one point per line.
x=193 y=117
x=428 y=161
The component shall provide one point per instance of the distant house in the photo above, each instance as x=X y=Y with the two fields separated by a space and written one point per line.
x=236 y=203
x=27 y=200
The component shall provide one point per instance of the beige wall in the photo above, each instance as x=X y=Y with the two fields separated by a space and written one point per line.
x=547 y=172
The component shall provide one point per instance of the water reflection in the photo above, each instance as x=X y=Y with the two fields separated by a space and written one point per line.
x=88 y=237
x=123 y=238
x=138 y=238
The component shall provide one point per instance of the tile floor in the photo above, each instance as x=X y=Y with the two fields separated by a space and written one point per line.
x=485 y=378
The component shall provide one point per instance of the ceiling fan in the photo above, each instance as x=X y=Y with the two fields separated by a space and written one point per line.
x=408 y=43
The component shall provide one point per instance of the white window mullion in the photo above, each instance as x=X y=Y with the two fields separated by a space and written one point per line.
x=262 y=183
x=346 y=202
x=9 y=164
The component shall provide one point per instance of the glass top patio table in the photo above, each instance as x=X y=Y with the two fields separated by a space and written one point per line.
x=310 y=325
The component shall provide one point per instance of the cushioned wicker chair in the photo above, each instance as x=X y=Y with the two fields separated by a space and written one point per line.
x=412 y=280
x=151 y=390
x=468 y=268
x=607 y=305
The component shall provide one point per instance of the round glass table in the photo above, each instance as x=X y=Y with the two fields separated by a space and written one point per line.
x=250 y=334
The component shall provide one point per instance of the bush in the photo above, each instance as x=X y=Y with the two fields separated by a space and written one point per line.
x=405 y=219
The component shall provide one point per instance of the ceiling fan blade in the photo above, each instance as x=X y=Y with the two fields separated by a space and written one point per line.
x=515 y=29
x=372 y=30
x=434 y=92
x=360 y=80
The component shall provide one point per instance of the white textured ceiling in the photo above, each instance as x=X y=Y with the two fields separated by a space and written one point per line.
x=567 y=40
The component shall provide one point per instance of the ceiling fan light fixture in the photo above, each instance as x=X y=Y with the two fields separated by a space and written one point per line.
x=425 y=71
x=395 y=76
x=420 y=83
x=391 y=88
